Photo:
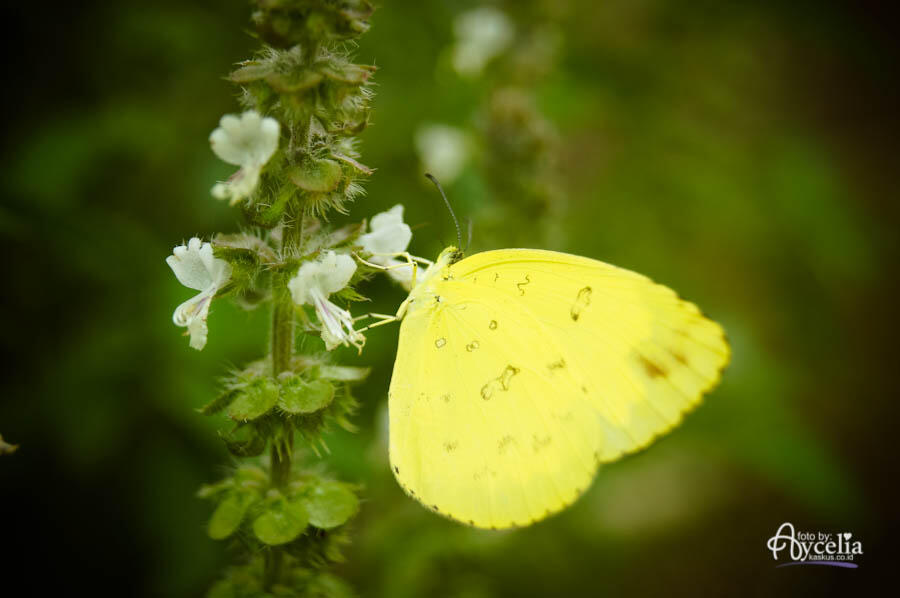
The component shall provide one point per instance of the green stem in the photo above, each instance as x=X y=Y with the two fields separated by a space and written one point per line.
x=280 y=466
x=274 y=561
x=282 y=329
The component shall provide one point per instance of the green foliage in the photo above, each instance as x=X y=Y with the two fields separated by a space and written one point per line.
x=325 y=97
x=281 y=521
x=247 y=581
x=300 y=397
x=229 y=514
x=320 y=98
x=318 y=176
x=248 y=440
x=254 y=400
x=285 y=23
x=331 y=504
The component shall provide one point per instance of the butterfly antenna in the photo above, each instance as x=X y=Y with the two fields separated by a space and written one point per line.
x=431 y=178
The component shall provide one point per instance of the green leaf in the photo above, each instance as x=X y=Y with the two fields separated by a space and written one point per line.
x=228 y=515
x=250 y=445
x=219 y=403
x=298 y=396
x=211 y=490
x=240 y=258
x=317 y=175
x=359 y=166
x=351 y=74
x=269 y=216
x=331 y=504
x=281 y=523
x=250 y=71
x=255 y=400
x=283 y=83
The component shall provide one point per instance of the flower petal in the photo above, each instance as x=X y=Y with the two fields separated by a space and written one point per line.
x=248 y=141
x=197 y=268
x=389 y=234
x=392 y=216
x=192 y=314
x=327 y=274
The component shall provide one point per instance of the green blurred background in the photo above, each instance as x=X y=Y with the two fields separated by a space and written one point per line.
x=743 y=153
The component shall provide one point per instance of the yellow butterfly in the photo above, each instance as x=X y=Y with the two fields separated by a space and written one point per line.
x=520 y=371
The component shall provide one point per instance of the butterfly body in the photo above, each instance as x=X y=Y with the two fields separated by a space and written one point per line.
x=520 y=371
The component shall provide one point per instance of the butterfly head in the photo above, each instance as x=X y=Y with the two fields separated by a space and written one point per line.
x=449 y=256
x=424 y=292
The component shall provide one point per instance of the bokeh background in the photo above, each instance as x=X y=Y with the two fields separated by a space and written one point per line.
x=743 y=153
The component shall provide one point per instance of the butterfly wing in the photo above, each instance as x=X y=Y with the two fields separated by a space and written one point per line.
x=532 y=369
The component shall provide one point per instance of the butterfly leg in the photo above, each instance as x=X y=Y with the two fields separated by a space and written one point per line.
x=411 y=260
x=382 y=320
x=374 y=315
x=404 y=254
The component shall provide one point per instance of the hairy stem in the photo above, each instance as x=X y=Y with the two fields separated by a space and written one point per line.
x=282 y=351
x=273 y=564
x=282 y=329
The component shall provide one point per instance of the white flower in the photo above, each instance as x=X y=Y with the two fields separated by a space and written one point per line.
x=481 y=34
x=443 y=150
x=314 y=282
x=389 y=234
x=247 y=141
x=196 y=268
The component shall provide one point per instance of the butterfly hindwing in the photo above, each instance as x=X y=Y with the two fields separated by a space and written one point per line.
x=478 y=433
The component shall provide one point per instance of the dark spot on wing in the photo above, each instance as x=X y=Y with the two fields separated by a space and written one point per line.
x=565 y=417
x=519 y=285
x=451 y=446
x=446 y=398
x=557 y=365
x=507 y=375
x=493 y=325
x=652 y=369
x=582 y=300
x=501 y=382
x=505 y=443
x=540 y=442
x=679 y=357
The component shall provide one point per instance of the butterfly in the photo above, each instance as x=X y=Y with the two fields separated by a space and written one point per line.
x=519 y=372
